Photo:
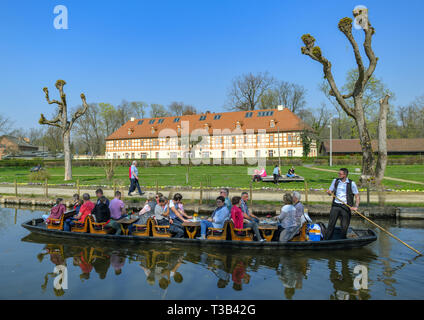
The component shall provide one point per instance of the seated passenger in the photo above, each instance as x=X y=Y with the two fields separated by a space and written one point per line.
x=290 y=173
x=76 y=202
x=301 y=215
x=56 y=212
x=287 y=226
x=177 y=216
x=162 y=212
x=145 y=213
x=117 y=211
x=219 y=216
x=246 y=220
x=99 y=194
x=101 y=211
x=84 y=211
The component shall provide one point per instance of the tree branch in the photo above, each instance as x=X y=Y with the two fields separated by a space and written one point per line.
x=80 y=111
x=46 y=91
x=369 y=32
x=345 y=26
x=53 y=122
x=316 y=54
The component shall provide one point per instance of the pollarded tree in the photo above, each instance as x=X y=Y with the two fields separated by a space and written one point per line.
x=61 y=121
x=370 y=169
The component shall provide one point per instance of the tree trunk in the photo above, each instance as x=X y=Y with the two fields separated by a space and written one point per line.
x=382 y=141
x=67 y=154
x=365 y=140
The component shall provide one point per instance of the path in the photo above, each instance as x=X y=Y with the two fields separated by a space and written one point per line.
x=385 y=177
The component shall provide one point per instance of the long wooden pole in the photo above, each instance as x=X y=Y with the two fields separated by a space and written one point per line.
x=381 y=228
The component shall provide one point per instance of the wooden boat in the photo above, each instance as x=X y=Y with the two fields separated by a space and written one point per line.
x=361 y=237
x=283 y=178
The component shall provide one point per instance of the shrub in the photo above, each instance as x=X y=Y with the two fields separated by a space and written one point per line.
x=41 y=175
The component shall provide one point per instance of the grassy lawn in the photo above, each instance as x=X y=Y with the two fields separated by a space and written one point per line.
x=214 y=176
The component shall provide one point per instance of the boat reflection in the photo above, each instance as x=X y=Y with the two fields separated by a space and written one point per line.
x=233 y=270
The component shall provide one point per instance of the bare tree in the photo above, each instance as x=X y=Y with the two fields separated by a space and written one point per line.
x=287 y=94
x=158 y=110
x=139 y=108
x=180 y=109
x=189 y=110
x=5 y=124
x=356 y=112
x=247 y=90
x=61 y=121
x=89 y=131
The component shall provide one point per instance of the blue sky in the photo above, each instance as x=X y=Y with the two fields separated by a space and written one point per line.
x=163 y=51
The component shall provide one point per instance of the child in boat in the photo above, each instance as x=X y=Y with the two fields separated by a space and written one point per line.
x=57 y=211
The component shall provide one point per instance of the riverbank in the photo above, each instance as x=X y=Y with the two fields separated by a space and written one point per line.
x=261 y=209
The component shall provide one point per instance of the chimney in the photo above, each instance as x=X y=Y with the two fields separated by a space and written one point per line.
x=280 y=108
x=132 y=119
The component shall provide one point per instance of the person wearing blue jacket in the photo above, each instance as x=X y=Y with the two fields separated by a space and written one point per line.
x=218 y=218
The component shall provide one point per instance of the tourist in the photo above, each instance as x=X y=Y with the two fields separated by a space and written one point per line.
x=276 y=173
x=288 y=227
x=177 y=217
x=250 y=220
x=290 y=173
x=217 y=219
x=145 y=213
x=301 y=215
x=117 y=212
x=244 y=207
x=237 y=213
x=158 y=196
x=56 y=212
x=101 y=211
x=256 y=176
x=99 y=194
x=84 y=211
x=134 y=179
x=225 y=192
x=76 y=203
x=162 y=212
x=345 y=190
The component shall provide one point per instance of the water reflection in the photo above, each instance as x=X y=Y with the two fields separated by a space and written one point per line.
x=231 y=270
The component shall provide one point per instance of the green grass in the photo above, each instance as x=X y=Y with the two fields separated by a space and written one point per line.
x=213 y=176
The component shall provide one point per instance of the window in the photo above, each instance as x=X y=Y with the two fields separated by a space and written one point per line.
x=290 y=153
x=289 y=138
x=176 y=119
x=157 y=155
x=174 y=155
x=272 y=124
x=114 y=156
x=160 y=120
x=205 y=154
x=265 y=113
x=125 y=143
x=140 y=122
x=114 y=144
x=240 y=154
x=233 y=139
x=271 y=138
x=270 y=153
x=129 y=143
x=245 y=139
x=248 y=115
x=217 y=117
x=127 y=155
x=258 y=153
x=132 y=155
x=152 y=121
x=119 y=143
x=143 y=156
x=202 y=118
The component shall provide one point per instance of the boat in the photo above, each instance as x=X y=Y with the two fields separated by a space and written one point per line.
x=361 y=237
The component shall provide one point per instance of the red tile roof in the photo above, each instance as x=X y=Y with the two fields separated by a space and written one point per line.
x=393 y=145
x=285 y=121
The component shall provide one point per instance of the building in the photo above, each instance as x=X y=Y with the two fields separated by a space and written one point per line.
x=343 y=147
x=10 y=145
x=241 y=134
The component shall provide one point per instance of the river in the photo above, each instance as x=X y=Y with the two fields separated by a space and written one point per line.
x=32 y=265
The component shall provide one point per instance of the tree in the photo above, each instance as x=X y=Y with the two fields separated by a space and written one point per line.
x=356 y=112
x=247 y=90
x=180 y=109
x=139 y=108
x=289 y=95
x=157 y=111
x=89 y=130
x=61 y=121
x=5 y=124
x=412 y=119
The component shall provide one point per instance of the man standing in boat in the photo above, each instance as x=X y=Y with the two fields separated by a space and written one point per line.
x=345 y=190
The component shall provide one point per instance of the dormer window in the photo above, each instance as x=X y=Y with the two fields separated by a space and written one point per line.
x=140 y=122
x=160 y=120
x=130 y=131
x=153 y=130
x=202 y=118
x=179 y=129
x=238 y=125
x=272 y=123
